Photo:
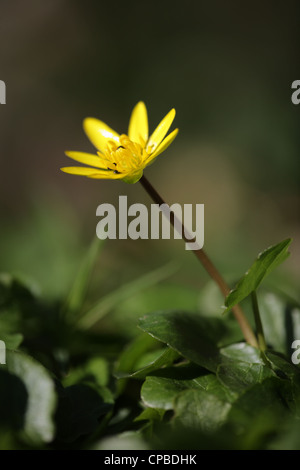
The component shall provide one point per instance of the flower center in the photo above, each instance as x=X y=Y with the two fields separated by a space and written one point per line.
x=127 y=157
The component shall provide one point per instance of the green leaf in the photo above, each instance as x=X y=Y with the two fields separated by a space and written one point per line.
x=290 y=383
x=160 y=391
x=239 y=376
x=199 y=410
x=12 y=341
x=38 y=424
x=13 y=401
x=275 y=317
x=130 y=440
x=166 y=357
x=200 y=402
x=266 y=262
x=242 y=366
x=262 y=400
x=17 y=300
x=130 y=357
x=79 y=409
x=194 y=337
x=281 y=322
x=150 y=414
x=241 y=352
x=95 y=370
x=287 y=368
x=133 y=352
x=149 y=357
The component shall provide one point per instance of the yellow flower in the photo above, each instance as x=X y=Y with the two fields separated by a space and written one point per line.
x=122 y=156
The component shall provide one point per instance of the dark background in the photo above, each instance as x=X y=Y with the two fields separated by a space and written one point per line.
x=227 y=68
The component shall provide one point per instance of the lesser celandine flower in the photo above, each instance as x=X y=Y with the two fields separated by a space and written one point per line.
x=122 y=156
x=125 y=157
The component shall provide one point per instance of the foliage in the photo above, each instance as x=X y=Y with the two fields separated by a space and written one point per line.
x=184 y=380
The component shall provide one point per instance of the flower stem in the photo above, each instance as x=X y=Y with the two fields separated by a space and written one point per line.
x=208 y=266
x=260 y=332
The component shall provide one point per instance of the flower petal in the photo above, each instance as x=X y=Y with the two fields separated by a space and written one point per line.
x=160 y=131
x=99 y=133
x=163 y=146
x=87 y=159
x=84 y=171
x=108 y=176
x=138 y=124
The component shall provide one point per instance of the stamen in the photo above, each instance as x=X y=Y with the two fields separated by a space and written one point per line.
x=128 y=156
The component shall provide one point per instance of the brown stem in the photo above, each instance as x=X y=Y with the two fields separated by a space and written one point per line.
x=258 y=323
x=208 y=266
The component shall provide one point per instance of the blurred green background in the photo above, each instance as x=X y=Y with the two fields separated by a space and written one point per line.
x=227 y=68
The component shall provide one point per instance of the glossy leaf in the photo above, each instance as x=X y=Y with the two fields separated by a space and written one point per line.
x=266 y=262
x=41 y=401
x=161 y=390
x=199 y=410
x=194 y=337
